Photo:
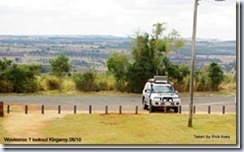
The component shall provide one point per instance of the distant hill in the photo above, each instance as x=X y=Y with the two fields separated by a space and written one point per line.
x=92 y=51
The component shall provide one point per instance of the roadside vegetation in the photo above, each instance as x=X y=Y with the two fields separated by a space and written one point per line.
x=125 y=72
x=143 y=129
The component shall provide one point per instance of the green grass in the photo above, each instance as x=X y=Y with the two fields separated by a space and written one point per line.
x=143 y=128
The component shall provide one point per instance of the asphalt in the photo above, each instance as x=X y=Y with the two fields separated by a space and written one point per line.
x=128 y=103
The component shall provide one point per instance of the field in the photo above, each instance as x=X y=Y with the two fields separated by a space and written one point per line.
x=156 y=128
x=145 y=129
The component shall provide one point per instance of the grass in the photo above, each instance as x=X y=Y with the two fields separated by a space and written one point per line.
x=143 y=129
x=3 y=132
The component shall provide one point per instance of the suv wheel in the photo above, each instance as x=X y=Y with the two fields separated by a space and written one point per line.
x=145 y=106
x=151 y=108
x=176 y=109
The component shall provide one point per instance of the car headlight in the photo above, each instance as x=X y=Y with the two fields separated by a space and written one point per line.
x=176 y=99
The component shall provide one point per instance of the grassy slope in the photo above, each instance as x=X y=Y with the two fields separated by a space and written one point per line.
x=143 y=129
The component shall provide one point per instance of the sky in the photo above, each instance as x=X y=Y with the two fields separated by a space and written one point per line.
x=215 y=20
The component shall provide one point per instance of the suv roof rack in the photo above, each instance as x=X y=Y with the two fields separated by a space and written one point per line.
x=159 y=79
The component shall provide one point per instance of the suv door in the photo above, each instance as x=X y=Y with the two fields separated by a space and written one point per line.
x=147 y=93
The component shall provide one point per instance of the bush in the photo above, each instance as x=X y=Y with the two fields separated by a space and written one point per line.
x=85 y=81
x=5 y=86
x=68 y=84
x=52 y=83
x=23 y=78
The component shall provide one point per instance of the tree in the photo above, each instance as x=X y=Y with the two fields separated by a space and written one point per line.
x=148 y=52
x=216 y=75
x=117 y=64
x=4 y=65
x=60 y=67
x=5 y=84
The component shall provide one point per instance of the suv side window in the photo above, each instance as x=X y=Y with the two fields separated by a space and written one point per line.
x=148 y=87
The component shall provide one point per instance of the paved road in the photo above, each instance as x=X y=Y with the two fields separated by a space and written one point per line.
x=127 y=102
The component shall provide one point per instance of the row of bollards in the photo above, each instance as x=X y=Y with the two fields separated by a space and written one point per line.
x=90 y=109
x=75 y=109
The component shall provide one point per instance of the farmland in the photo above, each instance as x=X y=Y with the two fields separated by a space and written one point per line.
x=92 y=51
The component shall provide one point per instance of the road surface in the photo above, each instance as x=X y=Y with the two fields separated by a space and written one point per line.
x=128 y=103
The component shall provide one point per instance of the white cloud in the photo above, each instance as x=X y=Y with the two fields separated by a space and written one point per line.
x=116 y=17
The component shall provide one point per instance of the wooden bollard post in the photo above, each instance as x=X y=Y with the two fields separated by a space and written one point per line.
x=26 y=109
x=59 y=109
x=42 y=109
x=1 y=109
x=223 y=109
x=120 y=109
x=209 y=109
x=136 y=110
x=75 y=109
x=165 y=109
x=8 y=109
x=180 y=109
x=90 y=109
x=194 y=109
x=106 y=109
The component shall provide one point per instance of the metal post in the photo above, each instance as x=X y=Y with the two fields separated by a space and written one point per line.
x=59 y=109
x=106 y=109
x=8 y=109
x=90 y=109
x=42 y=109
x=120 y=109
x=75 y=109
x=192 y=62
x=136 y=110
x=180 y=109
x=223 y=109
x=209 y=109
x=26 y=109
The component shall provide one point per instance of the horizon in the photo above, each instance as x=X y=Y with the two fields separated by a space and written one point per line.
x=101 y=35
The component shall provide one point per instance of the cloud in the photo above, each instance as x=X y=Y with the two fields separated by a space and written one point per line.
x=115 y=17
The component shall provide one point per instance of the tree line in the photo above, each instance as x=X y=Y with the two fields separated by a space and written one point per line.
x=149 y=59
x=131 y=72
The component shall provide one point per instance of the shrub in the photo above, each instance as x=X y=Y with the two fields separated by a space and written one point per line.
x=23 y=78
x=85 y=81
x=5 y=86
x=52 y=83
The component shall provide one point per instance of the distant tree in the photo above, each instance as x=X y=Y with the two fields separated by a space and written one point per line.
x=60 y=67
x=216 y=75
x=117 y=64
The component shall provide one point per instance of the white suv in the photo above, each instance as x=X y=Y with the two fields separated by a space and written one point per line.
x=159 y=93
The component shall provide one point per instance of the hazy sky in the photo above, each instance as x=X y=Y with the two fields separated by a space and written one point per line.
x=116 y=17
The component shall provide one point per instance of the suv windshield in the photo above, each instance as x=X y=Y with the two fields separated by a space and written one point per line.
x=162 y=89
